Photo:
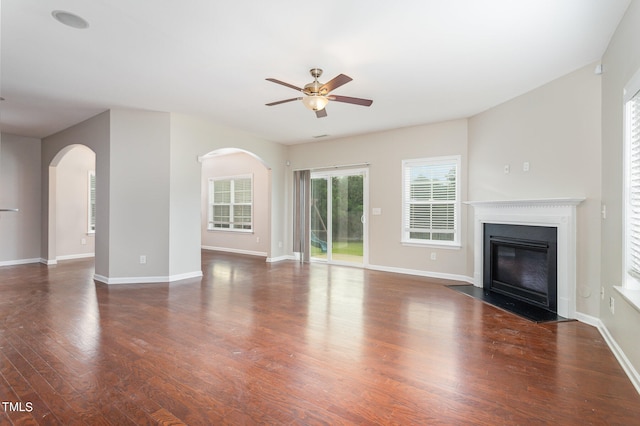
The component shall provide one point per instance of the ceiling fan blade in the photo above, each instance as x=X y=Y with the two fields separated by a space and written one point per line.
x=321 y=113
x=335 y=83
x=282 y=102
x=350 y=100
x=273 y=80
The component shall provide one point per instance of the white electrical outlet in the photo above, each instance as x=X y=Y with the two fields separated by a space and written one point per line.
x=257 y=239
x=525 y=166
x=612 y=305
x=507 y=169
x=433 y=256
x=143 y=259
x=602 y=293
x=83 y=241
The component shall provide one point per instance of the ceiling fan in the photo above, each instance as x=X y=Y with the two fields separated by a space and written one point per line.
x=316 y=94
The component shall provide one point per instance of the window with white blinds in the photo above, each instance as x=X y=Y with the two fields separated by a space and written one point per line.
x=632 y=217
x=91 y=208
x=430 y=206
x=231 y=203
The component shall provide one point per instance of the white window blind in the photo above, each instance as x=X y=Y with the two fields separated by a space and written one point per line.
x=92 y=202
x=633 y=187
x=431 y=200
x=231 y=203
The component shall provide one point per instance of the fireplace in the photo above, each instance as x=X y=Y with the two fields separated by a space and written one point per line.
x=520 y=261
x=558 y=214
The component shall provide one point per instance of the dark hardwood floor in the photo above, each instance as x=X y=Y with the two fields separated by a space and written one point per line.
x=284 y=343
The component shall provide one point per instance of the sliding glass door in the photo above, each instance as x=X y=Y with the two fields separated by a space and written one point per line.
x=338 y=207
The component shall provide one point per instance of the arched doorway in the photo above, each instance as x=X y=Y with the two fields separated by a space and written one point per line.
x=72 y=204
x=235 y=202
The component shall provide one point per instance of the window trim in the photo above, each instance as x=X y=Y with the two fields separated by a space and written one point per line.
x=630 y=288
x=232 y=179
x=631 y=92
x=405 y=240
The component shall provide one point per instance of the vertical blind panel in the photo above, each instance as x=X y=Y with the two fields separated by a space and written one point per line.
x=633 y=183
x=302 y=213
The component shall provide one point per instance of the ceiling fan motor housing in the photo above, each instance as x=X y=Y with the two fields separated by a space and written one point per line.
x=315 y=87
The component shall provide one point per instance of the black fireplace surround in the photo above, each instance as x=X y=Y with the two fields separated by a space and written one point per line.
x=520 y=261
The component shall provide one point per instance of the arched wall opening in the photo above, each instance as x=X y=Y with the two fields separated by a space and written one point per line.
x=233 y=166
x=72 y=204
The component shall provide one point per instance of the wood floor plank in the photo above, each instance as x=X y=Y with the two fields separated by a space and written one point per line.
x=259 y=343
x=42 y=379
x=22 y=393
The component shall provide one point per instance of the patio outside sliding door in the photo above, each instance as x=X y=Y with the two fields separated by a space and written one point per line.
x=338 y=207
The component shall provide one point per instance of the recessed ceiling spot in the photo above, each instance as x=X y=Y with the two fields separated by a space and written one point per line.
x=69 y=19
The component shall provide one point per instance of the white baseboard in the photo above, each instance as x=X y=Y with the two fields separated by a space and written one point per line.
x=588 y=319
x=76 y=256
x=280 y=258
x=19 y=262
x=237 y=251
x=429 y=274
x=147 y=280
x=626 y=365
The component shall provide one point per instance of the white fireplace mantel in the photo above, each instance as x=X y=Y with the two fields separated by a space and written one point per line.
x=553 y=212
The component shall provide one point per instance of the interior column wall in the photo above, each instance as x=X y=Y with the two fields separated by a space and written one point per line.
x=94 y=133
x=139 y=194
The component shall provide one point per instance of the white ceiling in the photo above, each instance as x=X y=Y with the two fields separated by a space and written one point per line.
x=421 y=61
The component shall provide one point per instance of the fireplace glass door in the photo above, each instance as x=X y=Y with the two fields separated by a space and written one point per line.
x=520 y=261
x=521 y=270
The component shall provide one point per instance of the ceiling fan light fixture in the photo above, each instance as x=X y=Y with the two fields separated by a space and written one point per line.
x=317 y=95
x=315 y=102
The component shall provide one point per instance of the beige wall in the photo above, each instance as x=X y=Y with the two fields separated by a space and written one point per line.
x=194 y=137
x=556 y=129
x=620 y=62
x=139 y=193
x=257 y=241
x=72 y=204
x=384 y=152
x=19 y=188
